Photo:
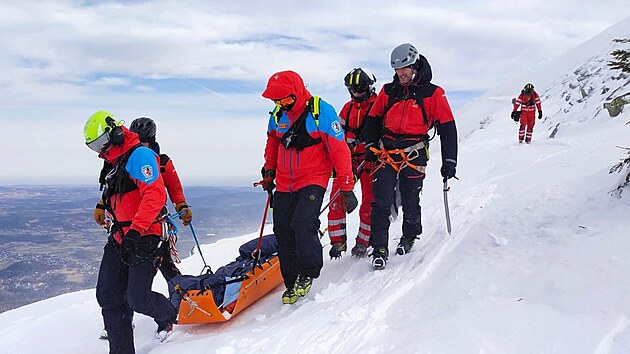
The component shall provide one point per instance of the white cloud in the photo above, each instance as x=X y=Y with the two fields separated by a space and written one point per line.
x=65 y=59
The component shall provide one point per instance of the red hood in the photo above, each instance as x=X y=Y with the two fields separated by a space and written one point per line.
x=114 y=152
x=285 y=83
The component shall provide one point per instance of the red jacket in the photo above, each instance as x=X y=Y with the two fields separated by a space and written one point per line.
x=142 y=205
x=171 y=180
x=403 y=114
x=528 y=101
x=312 y=165
x=406 y=117
x=352 y=117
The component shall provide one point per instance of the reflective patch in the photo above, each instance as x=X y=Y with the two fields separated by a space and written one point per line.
x=336 y=127
x=147 y=172
x=283 y=126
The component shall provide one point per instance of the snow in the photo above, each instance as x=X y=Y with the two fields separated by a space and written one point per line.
x=537 y=261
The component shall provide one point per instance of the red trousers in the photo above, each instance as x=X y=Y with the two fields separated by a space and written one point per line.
x=337 y=217
x=528 y=120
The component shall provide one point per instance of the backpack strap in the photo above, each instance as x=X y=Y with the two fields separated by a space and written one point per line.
x=356 y=131
x=311 y=106
x=417 y=92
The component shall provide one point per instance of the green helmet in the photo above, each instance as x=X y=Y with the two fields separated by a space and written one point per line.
x=98 y=131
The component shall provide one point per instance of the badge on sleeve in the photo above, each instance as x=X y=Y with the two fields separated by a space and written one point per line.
x=147 y=172
x=336 y=127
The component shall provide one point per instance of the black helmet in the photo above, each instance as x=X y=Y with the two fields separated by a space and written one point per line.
x=528 y=87
x=145 y=128
x=360 y=80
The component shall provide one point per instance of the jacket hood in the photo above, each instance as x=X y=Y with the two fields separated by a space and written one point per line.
x=286 y=83
x=423 y=74
x=114 y=152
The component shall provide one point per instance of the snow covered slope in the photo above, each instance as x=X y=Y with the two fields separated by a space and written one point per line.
x=538 y=261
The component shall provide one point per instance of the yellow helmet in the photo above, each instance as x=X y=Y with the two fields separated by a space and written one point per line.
x=101 y=130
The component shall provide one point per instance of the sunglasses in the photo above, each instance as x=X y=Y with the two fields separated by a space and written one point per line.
x=101 y=143
x=285 y=102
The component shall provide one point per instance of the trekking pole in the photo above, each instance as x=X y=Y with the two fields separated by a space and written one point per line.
x=334 y=196
x=205 y=265
x=181 y=213
x=448 y=217
x=256 y=253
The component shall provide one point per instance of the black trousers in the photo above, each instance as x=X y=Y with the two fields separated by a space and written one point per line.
x=124 y=285
x=410 y=185
x=296 y=226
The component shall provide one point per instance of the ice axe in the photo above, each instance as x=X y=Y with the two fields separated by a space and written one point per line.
x=446 y=212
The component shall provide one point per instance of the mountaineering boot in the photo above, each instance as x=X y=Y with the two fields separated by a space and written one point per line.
x=405 y=245
x=359 y=250
x=337 y=248
x=379 y=258
x=289 y=297
x=163 y=332
x=302 y=285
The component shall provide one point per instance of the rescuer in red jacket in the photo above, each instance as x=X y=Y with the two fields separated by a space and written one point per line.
x=529 y=102
x=396 y=134
x=134 y=195
x=360 y=83
x=305 y=140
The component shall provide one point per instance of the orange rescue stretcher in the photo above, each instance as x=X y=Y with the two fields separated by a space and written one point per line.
x=198 y=306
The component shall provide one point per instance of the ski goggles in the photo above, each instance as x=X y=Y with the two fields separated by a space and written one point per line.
x=358 y=90
x=100 y=144
x=285 y=102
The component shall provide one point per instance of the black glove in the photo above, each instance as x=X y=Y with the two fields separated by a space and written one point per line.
x=448 y=170
x=267 y=181
x=539 y=114
x=129 y=240
x=349 y=201
x=370 y=156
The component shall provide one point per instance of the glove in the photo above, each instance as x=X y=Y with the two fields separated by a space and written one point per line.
x=187 y=216
x=448 y=170
x=539 y=114
x=267 y=181
x=129 y=240
x=99 y=213
x=349 y=201
x=370 y=156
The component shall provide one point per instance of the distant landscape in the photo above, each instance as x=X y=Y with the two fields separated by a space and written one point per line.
x=50 y=245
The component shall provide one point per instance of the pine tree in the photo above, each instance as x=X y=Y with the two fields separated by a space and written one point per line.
x=624 y=164
x=621 y=57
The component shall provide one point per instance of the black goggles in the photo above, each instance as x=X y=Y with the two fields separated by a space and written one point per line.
x=358 y=90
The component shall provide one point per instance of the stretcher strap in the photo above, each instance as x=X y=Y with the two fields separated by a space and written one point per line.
x=192 y=303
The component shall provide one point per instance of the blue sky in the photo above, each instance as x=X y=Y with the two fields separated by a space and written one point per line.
x=198 y=67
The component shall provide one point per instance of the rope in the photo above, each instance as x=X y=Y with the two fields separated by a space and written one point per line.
x=408 y=154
